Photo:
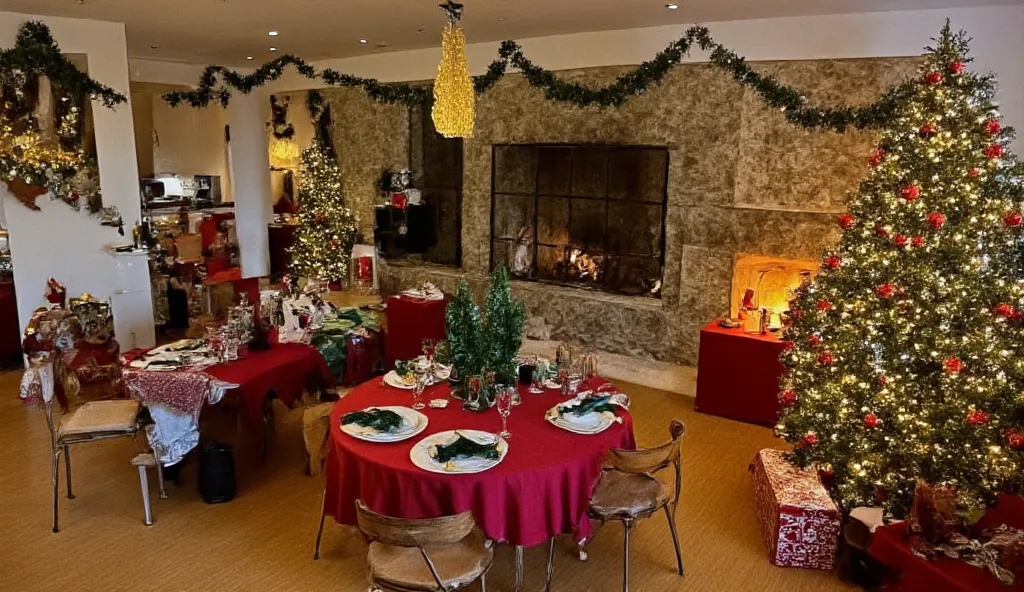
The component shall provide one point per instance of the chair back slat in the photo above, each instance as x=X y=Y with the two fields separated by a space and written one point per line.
x=405 y=532
x=649 y=460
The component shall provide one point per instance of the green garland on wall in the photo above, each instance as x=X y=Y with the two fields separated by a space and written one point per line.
x=35 y=53
x=631 y=84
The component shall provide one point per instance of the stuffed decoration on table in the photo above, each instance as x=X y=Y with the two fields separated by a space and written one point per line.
x=798 y=519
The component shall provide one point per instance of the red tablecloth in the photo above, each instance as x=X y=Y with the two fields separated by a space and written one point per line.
x=890 y=546
x=282 y=237
x=285 y=368
x=409 y=322
x=541 y=488
x=738 y=374
x=10 y=334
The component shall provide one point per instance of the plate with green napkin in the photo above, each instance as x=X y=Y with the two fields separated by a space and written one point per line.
x=591 y=414
x=384 y=424
x=459 y=452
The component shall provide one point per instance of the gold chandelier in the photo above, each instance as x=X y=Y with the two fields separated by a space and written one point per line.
x=454 y=98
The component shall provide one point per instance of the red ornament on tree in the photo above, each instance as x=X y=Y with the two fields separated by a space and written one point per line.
x=928 y=130
x=845 y=221
x=974 y=172
x=1006 y=311
x=917 y=241
x=885 y=291
x=319 y=218
x=832 y=262
x=870 y=420
x=910 y=192
x=788 y=346
x=1015 y=439
x=953 y=365
x=995 y=151
x=824 y=305
x=810 y=439
x=876 y=157
x=334 y=244
x=825 y=358
x=814 y=340
x=1013 y=219
x=883 y=380
x=977 y=417
x=899 y=240
x=788 y=398
x=933 y=78
x=957 y=67
x=881 y=231
x=992 y=127
x=936 y=220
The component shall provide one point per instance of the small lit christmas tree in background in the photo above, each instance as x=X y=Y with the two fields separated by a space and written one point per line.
x=907 y=360
x=327 y=228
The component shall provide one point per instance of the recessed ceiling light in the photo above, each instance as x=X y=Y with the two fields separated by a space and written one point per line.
x=363 y=41
x=502 y=19
x=154 y=46
x=273 y=49
x=272 y=33
x=421 y=30
x=248 y=57
x=672 y=6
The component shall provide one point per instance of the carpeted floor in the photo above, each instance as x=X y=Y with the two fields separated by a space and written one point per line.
x=263 y=540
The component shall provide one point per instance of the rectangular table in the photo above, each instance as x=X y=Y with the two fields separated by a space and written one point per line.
x=738 y=374
x=408 y=322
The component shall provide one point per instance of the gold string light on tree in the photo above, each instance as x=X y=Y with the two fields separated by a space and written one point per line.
x=454 y=97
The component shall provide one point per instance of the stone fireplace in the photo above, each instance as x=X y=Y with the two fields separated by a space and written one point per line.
x=581 y=215
x=696 y=184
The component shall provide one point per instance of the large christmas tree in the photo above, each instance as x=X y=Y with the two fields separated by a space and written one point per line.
x=908 y=359
x=327 y=228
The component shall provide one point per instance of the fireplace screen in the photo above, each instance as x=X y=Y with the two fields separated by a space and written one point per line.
x=588 y=216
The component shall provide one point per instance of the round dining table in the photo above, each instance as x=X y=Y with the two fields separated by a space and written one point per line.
x=542 y=488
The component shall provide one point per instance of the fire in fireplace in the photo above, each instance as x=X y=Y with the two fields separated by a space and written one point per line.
x=586 y=216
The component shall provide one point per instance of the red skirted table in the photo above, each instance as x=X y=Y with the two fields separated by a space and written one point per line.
x=890 y=545
x=738 y=374
x=542 y=488
x=409 y=322
x=282 y=237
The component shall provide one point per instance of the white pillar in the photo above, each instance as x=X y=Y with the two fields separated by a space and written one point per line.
x=249 y=162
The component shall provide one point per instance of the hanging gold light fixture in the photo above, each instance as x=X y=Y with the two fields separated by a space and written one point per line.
x=454 y=100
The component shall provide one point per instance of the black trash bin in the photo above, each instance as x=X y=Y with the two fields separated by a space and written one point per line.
x=217 y=473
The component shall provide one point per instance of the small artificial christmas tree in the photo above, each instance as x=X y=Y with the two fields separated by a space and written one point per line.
x=907 y=360
x=464 y=333
x=503 y=327
x=327 y=229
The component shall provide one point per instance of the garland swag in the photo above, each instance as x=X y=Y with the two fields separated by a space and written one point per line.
x=630 y=84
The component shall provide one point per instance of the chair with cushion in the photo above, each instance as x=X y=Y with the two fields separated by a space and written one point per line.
x=629 y=491
x=93 y=421
x=428 y=555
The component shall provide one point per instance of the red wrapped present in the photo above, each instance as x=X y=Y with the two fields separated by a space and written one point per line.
x=799 y=521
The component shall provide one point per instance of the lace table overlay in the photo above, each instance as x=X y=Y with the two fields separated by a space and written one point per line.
x=799 y=521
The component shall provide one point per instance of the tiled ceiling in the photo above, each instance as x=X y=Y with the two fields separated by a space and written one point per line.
x=226 y=31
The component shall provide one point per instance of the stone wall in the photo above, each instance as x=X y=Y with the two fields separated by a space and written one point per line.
x=741 y=180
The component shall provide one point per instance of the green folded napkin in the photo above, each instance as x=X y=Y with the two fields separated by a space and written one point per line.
x=463 y=447
x=598 y=404
x=382 y=420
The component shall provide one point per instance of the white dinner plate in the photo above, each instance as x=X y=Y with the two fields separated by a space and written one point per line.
x=413 y=422
x=589 y=424
x=420 y=453
x=392 y=379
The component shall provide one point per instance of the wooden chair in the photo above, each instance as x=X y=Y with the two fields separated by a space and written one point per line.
x=431 y=555
x=628 y=490
x=93 y=421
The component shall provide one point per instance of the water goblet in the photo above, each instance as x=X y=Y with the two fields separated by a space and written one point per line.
x=503 y=401
x=417 y=390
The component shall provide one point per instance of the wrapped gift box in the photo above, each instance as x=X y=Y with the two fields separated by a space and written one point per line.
x=799 y=521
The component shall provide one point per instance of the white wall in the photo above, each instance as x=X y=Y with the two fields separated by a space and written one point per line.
x=998 y=45
x=61 y=243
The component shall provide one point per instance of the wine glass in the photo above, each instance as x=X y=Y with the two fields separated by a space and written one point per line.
x=503 y=401
x=417 y=390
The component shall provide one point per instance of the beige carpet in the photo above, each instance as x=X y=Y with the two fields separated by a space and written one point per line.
x=263 y=540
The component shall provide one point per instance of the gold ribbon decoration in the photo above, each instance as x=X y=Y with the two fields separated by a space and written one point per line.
x=454 y=97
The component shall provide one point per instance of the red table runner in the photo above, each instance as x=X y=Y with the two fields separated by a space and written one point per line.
x=738 y=374
x=890 y=545
x=542 y=488
x=409 y=322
